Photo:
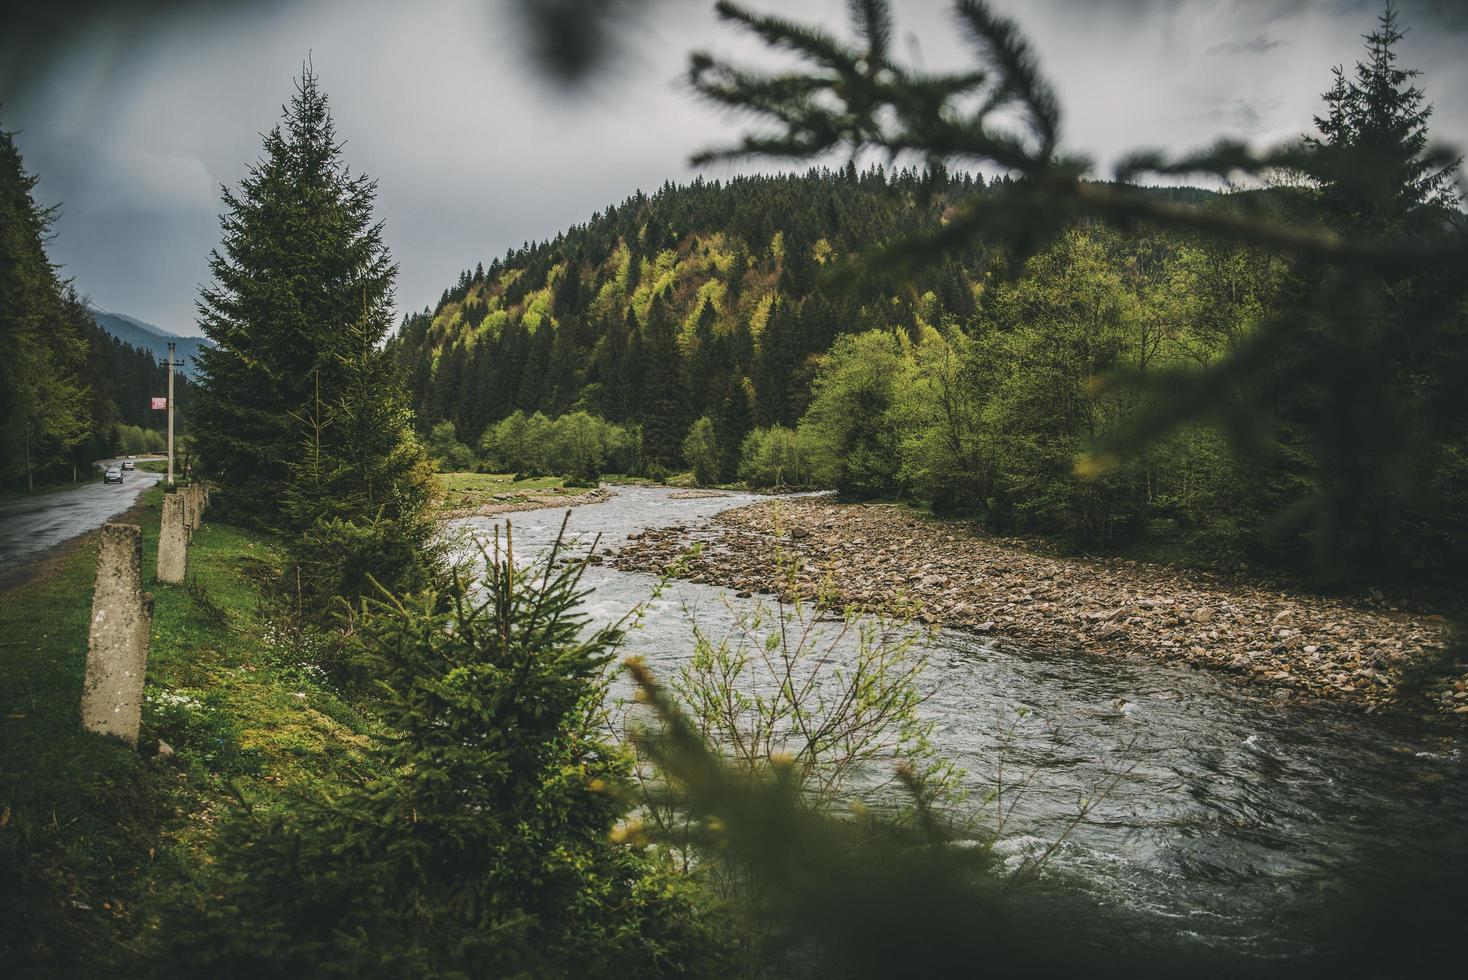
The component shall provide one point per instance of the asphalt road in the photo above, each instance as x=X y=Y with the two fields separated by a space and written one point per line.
x=31 y=525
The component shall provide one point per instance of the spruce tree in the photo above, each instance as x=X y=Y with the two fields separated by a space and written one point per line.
x=300 y=274
x=485 y=844
x=1371 y=155
x=731 y=425
x=360 y=491
x=664 y=399
x=43 y=397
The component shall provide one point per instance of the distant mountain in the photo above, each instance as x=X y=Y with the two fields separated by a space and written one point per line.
x=131 y=330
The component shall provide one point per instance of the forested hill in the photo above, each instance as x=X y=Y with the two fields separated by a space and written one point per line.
x=145 y=336
x=699 y=300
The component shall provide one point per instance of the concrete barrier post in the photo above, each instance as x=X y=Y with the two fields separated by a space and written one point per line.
x=117 y=650
x=198 y=495
x=173 y=539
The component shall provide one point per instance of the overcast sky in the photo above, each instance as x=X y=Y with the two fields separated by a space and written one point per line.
x=475 y=152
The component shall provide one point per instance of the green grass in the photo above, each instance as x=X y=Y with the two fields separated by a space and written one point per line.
x=91 y=830
x=462 y=490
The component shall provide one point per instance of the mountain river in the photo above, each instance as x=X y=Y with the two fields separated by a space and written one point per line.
x=1233 y=815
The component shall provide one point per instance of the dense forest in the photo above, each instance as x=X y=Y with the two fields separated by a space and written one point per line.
x=724 y=322
x=70 y=393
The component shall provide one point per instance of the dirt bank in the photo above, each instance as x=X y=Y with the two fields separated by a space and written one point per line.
x=1294 y=645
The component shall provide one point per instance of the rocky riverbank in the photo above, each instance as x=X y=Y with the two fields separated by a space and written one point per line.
x=1292 y=645
x=506 y=503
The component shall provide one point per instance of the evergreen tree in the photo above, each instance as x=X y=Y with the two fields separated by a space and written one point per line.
x=1372 y=161
x=301 y=418
x=664 y=401
x=43 y=351
x=300 y=265
x=482 y=847
x=731 y=425
x=361 y=487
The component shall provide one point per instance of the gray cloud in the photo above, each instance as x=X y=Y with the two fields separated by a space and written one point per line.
x=475 y=153
x=1259 y=44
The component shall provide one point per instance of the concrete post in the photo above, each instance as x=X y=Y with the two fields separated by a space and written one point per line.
x=173 y=539
x=117 y=651
x=198 y=497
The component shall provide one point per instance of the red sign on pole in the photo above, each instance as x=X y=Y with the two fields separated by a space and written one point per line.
x=160 y=404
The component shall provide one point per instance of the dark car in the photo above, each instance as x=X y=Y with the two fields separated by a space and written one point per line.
x=113 y=475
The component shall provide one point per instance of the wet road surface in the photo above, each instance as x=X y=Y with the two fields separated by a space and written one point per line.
x=31 y=525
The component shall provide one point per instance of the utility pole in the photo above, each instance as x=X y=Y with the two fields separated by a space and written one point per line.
x=170 y=413
x=171 y=363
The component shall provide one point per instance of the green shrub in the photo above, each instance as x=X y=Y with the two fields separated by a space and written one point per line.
x=339 y=558
x=577 y=444
x=781 y=457
x=701 y=451
x=487 y=848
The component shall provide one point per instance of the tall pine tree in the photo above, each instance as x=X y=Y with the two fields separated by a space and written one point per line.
x=1371 y=154
x=43 y=351
x=301 y=417
x=300 y=261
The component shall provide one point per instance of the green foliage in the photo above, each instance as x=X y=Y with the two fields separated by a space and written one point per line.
x=46 y=411
x=577 y=444
x=134 y=439
x=449 y=455
x=1329 y=382
x=854 y=391
x=698 y=316
x=484 y=848
x=781 y=457
x=701 y=452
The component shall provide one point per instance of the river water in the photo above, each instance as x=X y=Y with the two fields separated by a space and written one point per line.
x=1235 y=813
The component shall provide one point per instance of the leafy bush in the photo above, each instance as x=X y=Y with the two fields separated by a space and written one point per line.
x=701 y=451
x=447 y=452
x=577 y=444
x=134 y=439
x=848 y=416
x=781 y=457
